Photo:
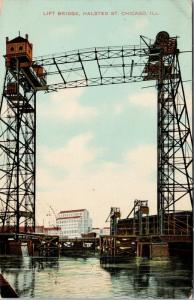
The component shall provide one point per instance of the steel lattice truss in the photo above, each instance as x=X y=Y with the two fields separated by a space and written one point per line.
x=17 y=154
x=95 y=67
x=174 y=143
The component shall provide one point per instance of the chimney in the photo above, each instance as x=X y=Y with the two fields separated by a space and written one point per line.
x=7 y=39
x=26 y=36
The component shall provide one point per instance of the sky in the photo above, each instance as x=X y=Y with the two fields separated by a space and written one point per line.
x=96 y=146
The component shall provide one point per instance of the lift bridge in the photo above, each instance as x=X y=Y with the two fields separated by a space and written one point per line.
x=25 y=76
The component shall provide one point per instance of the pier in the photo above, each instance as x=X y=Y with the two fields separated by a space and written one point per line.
x=34 y=244
x=130 y=237
x=47 y=245
x=141 y=237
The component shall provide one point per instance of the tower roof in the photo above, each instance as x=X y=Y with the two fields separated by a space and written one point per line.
x=18 y=39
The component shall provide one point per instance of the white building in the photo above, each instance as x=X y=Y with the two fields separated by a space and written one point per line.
x=73 y=223
x=52 y=230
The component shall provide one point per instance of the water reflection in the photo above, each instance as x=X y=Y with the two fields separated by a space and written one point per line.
x=140 y=278
x=41 y=263
x=154 y=279
x=20 y=274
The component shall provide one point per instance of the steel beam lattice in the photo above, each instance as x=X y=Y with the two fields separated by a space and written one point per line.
x=174 y=144
x=93 y=67
x=17 y=152
x=157 y=61
x=174 y=141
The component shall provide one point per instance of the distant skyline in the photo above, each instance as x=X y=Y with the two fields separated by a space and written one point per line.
x=96 y=147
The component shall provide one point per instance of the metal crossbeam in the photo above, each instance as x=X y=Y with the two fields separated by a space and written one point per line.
x=75 y=70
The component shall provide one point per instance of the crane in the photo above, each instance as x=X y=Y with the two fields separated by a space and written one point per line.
x=26 y=76
x=113 y=217
x=52 y=213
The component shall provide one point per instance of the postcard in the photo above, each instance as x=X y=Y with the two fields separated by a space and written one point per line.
x=96 y=183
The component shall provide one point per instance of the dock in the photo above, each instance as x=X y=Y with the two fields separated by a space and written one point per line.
x=141 y=237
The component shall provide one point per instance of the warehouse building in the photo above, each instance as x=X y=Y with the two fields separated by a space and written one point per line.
x=73 y=223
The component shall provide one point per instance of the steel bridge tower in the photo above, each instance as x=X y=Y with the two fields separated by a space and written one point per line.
x=174 y=141
x=157 y=61
x=18 y=139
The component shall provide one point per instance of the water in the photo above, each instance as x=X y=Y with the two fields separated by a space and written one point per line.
x=73 y=278
x=24 y=248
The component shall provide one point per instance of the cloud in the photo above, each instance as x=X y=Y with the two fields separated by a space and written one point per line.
x=73 y=156
x=143 y=158
x=119 y=108
x=97 y=189
x=141 y=23
x=65 y=105
x=148 y=99
x=106 y=184
x=88 y=182
x=144 y=99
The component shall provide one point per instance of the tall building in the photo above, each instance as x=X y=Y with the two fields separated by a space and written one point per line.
x=73 y=223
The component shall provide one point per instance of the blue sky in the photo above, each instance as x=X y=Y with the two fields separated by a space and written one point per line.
x=96 y=147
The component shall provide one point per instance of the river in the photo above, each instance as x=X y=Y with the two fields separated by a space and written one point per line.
x=78 y=277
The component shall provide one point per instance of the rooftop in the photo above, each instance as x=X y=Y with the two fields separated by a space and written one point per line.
x=18 y=39
x=70 y=211
x=75 y=217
